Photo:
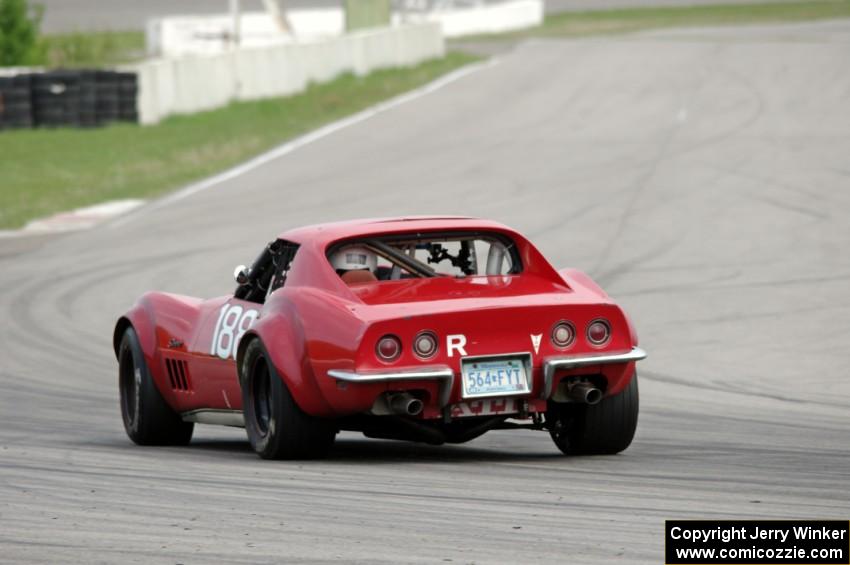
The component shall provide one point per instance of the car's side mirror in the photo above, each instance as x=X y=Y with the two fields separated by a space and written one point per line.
x=241 y=275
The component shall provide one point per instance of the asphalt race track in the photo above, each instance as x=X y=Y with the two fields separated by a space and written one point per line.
x=700 y=176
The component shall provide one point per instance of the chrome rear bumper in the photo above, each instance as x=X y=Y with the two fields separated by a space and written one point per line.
x=552 y=364
x=444 y=374
x=447 y=376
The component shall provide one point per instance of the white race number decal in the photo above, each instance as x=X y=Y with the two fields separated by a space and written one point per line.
x=233 y=322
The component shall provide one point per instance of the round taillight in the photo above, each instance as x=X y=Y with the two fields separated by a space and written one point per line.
x=388 y=348
x=425 y=345
x=598 y=332
x=563 y=334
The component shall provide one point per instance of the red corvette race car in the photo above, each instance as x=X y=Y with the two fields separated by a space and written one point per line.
x=424 y=329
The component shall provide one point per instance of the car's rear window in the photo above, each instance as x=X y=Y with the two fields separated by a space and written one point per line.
x=425 y=255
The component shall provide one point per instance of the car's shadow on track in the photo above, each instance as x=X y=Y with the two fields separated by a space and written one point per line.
x=378 y=451
x=372 y=451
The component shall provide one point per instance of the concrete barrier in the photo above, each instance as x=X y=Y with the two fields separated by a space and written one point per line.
x=15 y=71
x=204 y=82
x=213 y=34
x=500 y=17
x=176 y=36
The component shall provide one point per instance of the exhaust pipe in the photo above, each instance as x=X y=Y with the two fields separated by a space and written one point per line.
x=586 y=393
x=405 y=404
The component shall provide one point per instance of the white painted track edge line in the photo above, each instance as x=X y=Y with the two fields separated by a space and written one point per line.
x=292 y=145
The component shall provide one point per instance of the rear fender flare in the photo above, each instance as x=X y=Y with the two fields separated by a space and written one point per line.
x=580 y=278
x=575 y=277
x=291 y=360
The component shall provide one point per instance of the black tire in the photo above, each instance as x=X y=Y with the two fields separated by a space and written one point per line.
x=148 y=420
x=602 y=429
x=277 y=428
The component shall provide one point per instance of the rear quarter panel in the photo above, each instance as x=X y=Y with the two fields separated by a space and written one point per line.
x=305 y=332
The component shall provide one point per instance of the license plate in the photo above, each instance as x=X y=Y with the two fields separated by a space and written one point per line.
x=495 y=376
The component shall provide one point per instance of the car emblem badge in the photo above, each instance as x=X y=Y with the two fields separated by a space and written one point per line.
x=535 y=341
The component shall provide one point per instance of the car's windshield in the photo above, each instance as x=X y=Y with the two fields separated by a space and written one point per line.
x=406 y=256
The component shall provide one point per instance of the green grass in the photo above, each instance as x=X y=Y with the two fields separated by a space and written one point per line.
x=91 y=49
x=581 y=24
x=47 y=171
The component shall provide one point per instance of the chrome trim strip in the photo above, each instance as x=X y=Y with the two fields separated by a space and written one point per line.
x=442 y=373
x=551 y=364
x=232 y=418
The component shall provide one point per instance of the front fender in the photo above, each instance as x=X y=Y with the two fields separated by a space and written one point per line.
x=141 y=318
x=156 y=317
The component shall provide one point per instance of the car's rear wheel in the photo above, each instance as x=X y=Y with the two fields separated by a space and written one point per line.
x=604 y=428
x=277 y=428
x=148 y=420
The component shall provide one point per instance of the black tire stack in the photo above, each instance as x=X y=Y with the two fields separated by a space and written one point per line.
x=15 y=102
x=79 y=98
x=107 y=97
x=128 y=92
x=87 y=109
x=56 y=99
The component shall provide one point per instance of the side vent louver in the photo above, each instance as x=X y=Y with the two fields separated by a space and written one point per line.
x=178 y=374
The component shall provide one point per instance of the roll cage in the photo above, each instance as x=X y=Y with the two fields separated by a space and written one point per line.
x=268 y=271
x=400 y=251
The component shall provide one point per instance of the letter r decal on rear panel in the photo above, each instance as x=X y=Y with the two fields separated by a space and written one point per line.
x=456 y=343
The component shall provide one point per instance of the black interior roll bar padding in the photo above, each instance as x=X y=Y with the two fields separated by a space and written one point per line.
x=259 y=267
x=411 y=264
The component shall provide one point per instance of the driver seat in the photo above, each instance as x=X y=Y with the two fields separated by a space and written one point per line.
x=358 y=276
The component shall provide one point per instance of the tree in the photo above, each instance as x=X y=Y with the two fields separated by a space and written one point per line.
x=18 y=32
